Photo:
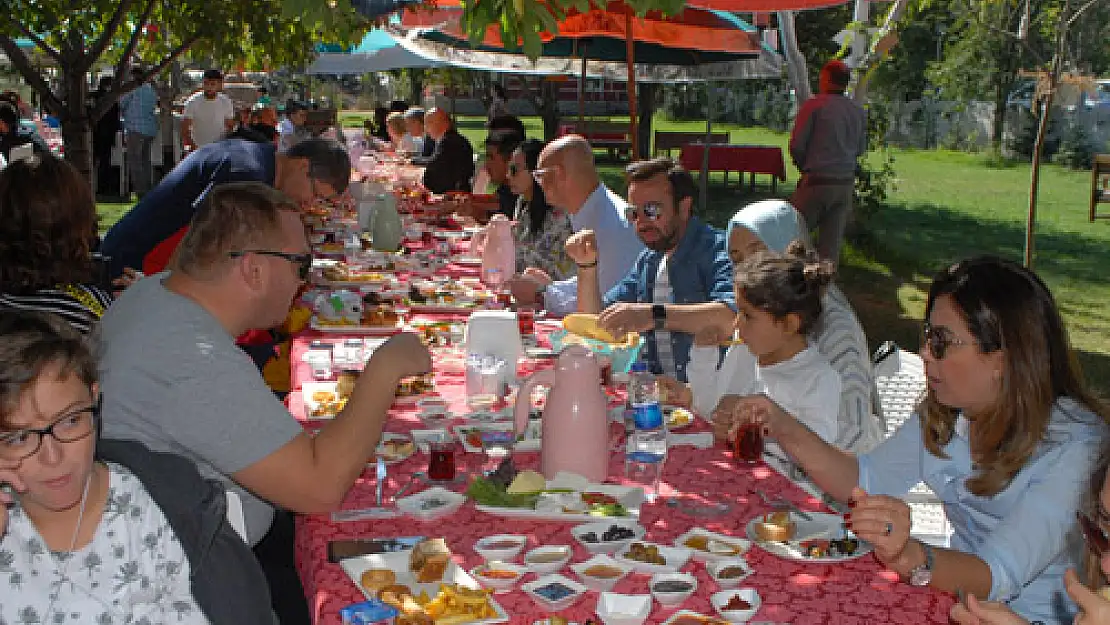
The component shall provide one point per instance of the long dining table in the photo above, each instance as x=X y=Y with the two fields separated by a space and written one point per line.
x=855 y=592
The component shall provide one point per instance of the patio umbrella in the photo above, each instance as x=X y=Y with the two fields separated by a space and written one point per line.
x=377 y=52
x=695 y=36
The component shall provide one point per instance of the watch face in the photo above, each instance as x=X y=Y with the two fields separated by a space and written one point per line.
x=921 y=576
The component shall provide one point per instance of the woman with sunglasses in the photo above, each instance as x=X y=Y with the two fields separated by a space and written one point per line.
x=106 y=532
x=1094 y=605
x=1004 y=431
x=541 y=229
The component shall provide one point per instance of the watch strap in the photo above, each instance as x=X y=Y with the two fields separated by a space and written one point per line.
x=922 y=574
x=659 y=315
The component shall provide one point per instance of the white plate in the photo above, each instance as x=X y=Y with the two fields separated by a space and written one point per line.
x=675 y=557
x=399 y=563
x=531 y=441
x=391 y=459
x=630 y=498
x=360 y=329
x=822 y=526
x=708 y=556
x=310 y=404
x=417 y=506
x=467 y=261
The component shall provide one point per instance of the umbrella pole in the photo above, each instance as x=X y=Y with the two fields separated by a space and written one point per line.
x=705 y=149
x=582 y=93
x=630 y=47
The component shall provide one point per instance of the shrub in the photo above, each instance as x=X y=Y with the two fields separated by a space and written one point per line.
x=1076 y=148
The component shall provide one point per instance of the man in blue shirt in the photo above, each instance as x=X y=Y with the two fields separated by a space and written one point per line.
x=568 y=176
x=679 y=283
x=314 y=169
x=140 y=125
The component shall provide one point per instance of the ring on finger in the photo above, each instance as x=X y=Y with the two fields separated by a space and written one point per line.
x=888 y=529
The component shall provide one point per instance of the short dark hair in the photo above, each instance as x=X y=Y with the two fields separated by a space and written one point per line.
x=507 y=122
x=682 y=183
x=328 y=161
x=9 y=115
x=213 y=74
x=398 y=106
x=504 y=141
x=531 y=149
x=32 y=342
x=47 y=223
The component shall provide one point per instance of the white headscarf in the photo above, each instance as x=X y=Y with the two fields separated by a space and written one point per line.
x=775 y=222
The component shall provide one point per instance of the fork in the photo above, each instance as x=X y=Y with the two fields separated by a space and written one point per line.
x=381 y=474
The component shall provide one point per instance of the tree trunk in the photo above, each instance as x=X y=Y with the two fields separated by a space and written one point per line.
x=999 y=117
x=549 y=109
x=646 y=111
x=416 y=86
x=76 y=123
x=796 y=68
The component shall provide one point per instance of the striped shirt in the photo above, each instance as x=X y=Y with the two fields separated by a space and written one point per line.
x=664 y=294
x=80 y=305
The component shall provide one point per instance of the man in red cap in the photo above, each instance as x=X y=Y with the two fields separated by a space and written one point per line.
x=830 y=134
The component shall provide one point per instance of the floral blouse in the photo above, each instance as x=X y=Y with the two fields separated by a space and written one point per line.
x=545 y=250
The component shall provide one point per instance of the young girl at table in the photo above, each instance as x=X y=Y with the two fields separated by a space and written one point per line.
x=779 y=300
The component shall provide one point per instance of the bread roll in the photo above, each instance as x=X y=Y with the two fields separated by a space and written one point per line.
x=373 y=580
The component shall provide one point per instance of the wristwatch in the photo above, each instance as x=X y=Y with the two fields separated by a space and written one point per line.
x=659 y=315
x=922 y=574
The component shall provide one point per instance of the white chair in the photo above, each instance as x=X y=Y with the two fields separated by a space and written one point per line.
x=900 y=382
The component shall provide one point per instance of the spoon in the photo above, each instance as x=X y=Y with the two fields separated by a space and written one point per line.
x=404 y=489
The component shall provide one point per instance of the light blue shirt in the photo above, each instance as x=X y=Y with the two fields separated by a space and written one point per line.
x=618 y=247
x=1027 y=533
x=138 y=110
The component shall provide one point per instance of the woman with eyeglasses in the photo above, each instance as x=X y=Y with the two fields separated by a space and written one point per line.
x=1004 y=437
x=1090 y=595
x=48 y=228
x=108 y=532
x=541 y=229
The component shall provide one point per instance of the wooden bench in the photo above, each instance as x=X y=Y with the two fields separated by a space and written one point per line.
x=1100 y=185
x=602 y=135
x=668 y=142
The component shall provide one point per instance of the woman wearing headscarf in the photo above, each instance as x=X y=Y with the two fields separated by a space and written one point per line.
x=771 y=225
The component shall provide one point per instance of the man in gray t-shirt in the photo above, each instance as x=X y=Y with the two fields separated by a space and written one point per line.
x=173 y=378
x=829 y=136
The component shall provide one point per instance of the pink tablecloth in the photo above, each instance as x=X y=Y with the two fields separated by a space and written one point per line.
x=854 y=593
x=759 y=159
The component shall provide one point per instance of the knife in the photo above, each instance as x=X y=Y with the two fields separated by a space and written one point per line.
x=381 y=479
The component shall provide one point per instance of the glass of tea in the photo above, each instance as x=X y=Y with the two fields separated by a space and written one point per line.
x=748 y=446
x=605 y=367
x=526 y=318
x=441 y=460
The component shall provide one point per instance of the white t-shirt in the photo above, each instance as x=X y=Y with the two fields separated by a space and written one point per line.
x=134 y=570
x=805 y=386
x=208 y=116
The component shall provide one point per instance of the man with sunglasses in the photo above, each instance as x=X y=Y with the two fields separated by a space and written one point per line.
x=683 y=278
x=145 y=238
x=568 y=177
x=174 y=379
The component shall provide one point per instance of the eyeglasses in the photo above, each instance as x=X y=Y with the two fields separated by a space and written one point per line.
x=514 y=170
x=1094 y=534
x=938 y=340
x=539 y=174
x=19 y=444
x=303 y=261
x=650 y=211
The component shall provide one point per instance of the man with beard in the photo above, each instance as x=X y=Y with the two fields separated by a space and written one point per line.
x=682 y=281
x=209 y=114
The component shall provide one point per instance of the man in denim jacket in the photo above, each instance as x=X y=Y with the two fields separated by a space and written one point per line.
x=682 y=280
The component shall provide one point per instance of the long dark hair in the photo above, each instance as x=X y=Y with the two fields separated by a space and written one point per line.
x=1007 y=308
x=538 y=208
x=47 y=225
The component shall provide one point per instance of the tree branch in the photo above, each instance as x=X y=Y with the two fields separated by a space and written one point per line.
x=125 y=58
x=45 y=47
x=118 y=89
x=1079 y=11
x=30 y=74
x=93 y=54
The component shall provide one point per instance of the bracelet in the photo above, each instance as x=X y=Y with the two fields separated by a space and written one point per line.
x=587 y=265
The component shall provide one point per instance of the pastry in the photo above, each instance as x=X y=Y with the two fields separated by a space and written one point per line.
x=775 y=527
x=345 y=383
x=323 y=397
x=374 y=580
x=429 y=560
x=395 y=595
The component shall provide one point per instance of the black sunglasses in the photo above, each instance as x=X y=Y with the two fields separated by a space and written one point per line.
x=303 y=261
x=513 y=169
x=650 y=210
x=938 y=340
x=1094 y=534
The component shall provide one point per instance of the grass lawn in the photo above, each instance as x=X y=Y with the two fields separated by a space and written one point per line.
x=947 y=206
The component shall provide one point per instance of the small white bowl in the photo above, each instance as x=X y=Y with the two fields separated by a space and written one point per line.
x=600 y=583
x=431 y=504
x=535 y=591
x=486 y=548
x=498 y=584
x=671 y=599
x=614 y=609
x=715 y=567
x=432 y=406
x=598 y=529
x=541 y=568
x=719 y=599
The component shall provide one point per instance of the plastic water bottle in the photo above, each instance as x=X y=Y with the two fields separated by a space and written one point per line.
x=648 y=442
